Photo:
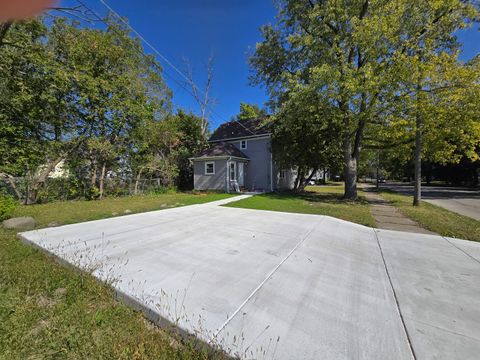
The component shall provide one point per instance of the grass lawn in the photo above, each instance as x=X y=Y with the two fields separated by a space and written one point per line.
x=68 y=212
x=48 y=311
x=435 y=218
x=320 y=200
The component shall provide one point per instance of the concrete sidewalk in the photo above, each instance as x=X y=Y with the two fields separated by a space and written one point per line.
x=388 y=217
x=274 y=285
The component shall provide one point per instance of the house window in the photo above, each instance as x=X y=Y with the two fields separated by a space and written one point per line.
x=232 y=171
x=243 y=144
x=282 y=174
x=209 y=168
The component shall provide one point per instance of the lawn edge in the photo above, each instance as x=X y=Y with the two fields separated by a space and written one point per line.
x=132 y=303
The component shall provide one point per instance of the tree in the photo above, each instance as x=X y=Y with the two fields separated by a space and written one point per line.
x=447 y=117
x=116 y=88
x=436 y=116
x=202 y=97
x=303 y=138
x=350 y=55
x=153 y=151
x=73 y=94
x=33 y=107
x=250 y=111
x=191 y=141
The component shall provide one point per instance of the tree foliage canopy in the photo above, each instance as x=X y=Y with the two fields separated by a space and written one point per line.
x=357 y=58
x=90 y=98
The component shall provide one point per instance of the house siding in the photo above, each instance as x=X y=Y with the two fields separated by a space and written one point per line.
x=258 y=169
x=258 y=172
x=217 y=181
x=287 y=182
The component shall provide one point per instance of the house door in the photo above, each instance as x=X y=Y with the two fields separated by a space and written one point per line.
x=241 y=174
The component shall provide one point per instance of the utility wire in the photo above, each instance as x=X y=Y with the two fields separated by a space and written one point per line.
x=168 y=62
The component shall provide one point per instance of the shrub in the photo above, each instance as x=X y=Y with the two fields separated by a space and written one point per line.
x=7 y=206
x=93 y=193
x=163 y=190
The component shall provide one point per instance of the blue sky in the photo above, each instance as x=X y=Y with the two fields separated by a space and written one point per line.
x=228 y=29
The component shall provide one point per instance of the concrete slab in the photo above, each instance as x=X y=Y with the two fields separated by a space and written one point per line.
x=266 y=284
x=343 y=304
x=470 y=248
x=436 y=286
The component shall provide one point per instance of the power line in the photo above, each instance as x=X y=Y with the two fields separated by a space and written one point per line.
x=155 y=64
x=164 y=58
x=190 y=81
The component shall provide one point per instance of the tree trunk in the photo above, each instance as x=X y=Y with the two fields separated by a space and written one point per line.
x=417 y=193
x=93 y=179
x=137 y=180
x=102 y=180
x=41 y=179
x=305 y=182
x=11 y=181
x=299 y=180
x=349 y=171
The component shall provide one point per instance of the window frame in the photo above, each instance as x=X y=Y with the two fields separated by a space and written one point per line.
x=281 y=174
x=234 y=171
x=213 y=168
x=243 y=142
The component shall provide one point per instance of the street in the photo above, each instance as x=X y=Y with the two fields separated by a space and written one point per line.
x=460 y=200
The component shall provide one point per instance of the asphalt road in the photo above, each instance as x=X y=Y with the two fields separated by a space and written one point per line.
x=275 y=285
x=460 y=200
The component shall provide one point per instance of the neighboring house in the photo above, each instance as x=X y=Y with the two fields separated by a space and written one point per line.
x=240 y=158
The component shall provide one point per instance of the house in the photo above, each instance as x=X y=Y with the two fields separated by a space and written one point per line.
x=239 y=158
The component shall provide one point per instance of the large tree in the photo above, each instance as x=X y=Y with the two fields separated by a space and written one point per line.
x=348 y=53
x=116 y=88
x=34 y=107
x=308 y=145
x=73 y=94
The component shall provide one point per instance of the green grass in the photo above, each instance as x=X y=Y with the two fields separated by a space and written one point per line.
x=48 y=311
x=435 y=218
x=67 y=212
x=320 y=200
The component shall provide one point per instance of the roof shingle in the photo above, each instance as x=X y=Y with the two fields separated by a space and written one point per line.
x=221 y=149
x=238 y=129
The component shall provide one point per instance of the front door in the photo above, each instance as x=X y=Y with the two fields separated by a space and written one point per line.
x=241 y=174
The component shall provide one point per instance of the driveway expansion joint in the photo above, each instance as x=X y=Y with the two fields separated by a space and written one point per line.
x=397 y=304
x=463 y=251
x=270 y=274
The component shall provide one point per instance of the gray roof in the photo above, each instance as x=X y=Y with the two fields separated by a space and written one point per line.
x=220 y=149
x=239 y=128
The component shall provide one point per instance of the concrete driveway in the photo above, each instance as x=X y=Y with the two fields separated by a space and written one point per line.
x=271 y=285
x=460 y=200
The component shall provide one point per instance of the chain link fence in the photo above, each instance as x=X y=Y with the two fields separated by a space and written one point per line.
x=71 y=188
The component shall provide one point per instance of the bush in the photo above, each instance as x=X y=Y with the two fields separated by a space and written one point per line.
x=93 y=193
x=7 y=206
x=163 y=190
